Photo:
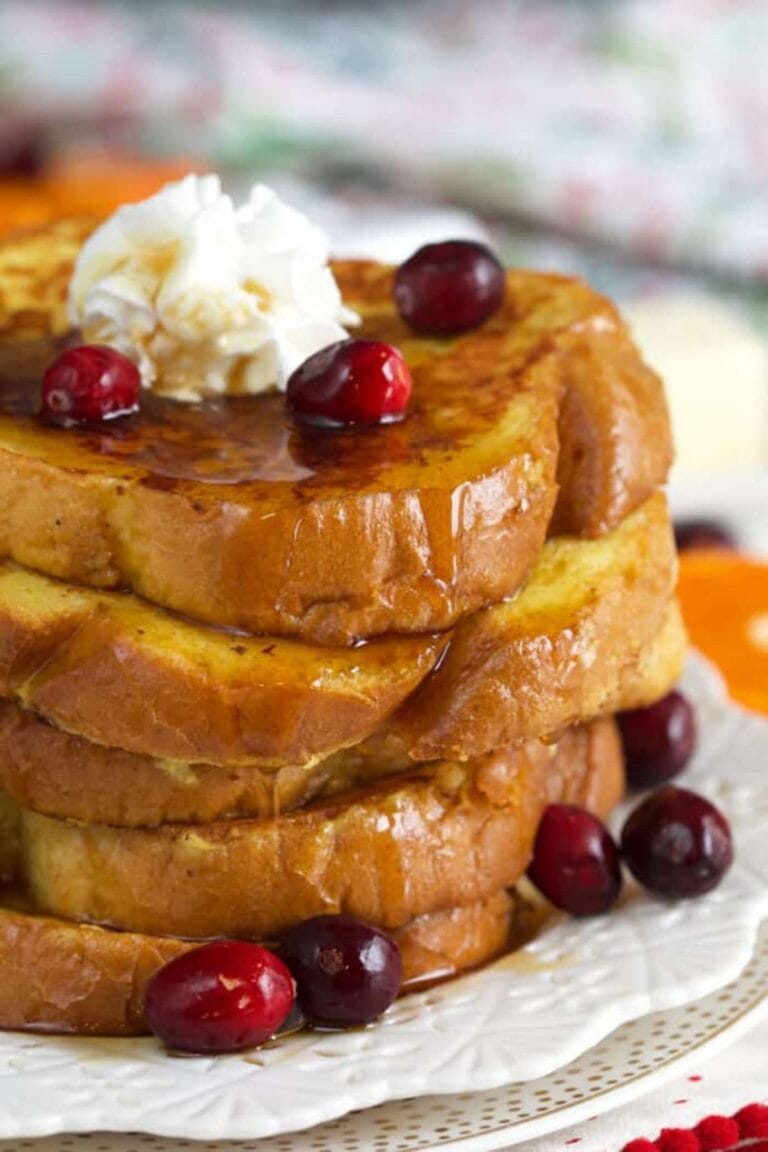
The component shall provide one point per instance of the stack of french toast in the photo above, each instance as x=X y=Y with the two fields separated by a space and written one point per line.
x=253 y=672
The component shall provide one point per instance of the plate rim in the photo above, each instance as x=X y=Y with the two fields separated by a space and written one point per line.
x=610 y=1098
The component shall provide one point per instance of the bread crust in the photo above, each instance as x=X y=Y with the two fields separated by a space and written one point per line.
x=615 y=443
x=562 y=651
x=408 y=528
x=56 y=976
x=446 y=835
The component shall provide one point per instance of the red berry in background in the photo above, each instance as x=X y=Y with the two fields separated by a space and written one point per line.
x=347 y=972
x=752 y=1120
x=658 y=741
x=575 y=862
x=222 y=997
x=449 y=288
x=91 y=383
x=352 y=382
x=22 y=151
x=694 y=535
x=677 y=844
x=716 y=1133
x=677 y=1140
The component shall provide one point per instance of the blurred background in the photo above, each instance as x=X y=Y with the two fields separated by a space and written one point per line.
x=626 y=141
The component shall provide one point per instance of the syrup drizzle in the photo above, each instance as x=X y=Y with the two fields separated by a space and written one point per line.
x=252 y=440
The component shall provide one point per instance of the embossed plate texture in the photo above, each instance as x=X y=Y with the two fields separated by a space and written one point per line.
x=516 y=1021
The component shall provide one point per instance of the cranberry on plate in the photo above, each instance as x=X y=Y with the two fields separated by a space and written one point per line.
x=694 y=535
x=677 y=844
x=658 y=741
x=449 y=288
x=351 y=382
x=222 y=997
x=575 y=863
x=347 y=972
x=89 y=384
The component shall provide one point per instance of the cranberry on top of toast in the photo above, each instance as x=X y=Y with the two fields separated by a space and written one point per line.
x=354 y=382
x=90 y=383
x=449 y=288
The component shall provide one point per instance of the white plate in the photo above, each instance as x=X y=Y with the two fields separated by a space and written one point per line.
x=515 y=1021
x=635 y=1059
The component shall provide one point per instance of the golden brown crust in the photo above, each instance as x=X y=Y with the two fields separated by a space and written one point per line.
x=446 y=835
x=615 y=437
x=407 y=528
x=57 y=774
x=458 y=939
x=561 y=651
x=56 y=976
x=62 y=977
x=446 y=944
x=660 y=665
x=122 y=673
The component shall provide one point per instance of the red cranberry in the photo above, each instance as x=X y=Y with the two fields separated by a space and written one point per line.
x=22 y=153
x=693 y=535
x=448 y=288
x=347 y=973
x=222 y=997
x=575 y=862
x=88 y=384
x=677 y=844
x=352 y=382
x=658 y=741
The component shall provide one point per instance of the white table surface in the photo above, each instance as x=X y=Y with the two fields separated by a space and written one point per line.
x=721 y=1085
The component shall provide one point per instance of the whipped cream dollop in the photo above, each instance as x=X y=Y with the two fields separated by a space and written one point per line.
x=208 y=298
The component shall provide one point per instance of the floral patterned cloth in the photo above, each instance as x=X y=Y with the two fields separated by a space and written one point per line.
x=643 y=124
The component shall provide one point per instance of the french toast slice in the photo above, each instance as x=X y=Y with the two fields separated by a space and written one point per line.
x=119 y=671
x=226 y=513
x=57 y=774
x=57 y=976
x=442 y=836
x=563 y=650
x=124 y=674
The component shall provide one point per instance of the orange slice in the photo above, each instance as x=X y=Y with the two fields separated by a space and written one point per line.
x=725 y=604
x=23 y=204
x=84 y=184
